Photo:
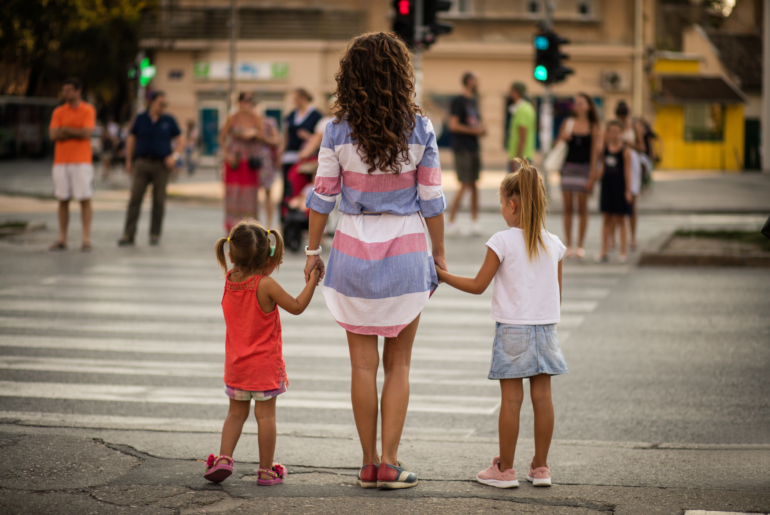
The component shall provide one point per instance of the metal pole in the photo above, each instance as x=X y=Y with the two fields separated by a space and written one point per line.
x=417 y=60
x=233 y=36
x=546 y=106
x=141 y=91
x=637 y=102
x=765 y=128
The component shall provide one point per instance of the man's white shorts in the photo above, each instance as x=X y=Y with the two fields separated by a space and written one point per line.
x=73 y=181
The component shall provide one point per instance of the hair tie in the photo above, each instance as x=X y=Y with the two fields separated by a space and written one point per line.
x=228 y=240
x=268 y=231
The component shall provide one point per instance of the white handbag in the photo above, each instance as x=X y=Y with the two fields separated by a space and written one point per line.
x=554 y=160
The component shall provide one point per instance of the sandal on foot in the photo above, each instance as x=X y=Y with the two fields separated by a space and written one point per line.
x=367 y=476
x=216 y=471
x=580 y=252
x=280 y=469
x=275 y=477
x=86 y=247
x=58 y=246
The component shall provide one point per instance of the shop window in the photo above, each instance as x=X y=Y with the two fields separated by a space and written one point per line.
x=585 y=7
x=533 y=7
x=703 y=122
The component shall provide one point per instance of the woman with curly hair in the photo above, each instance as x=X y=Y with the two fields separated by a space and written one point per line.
x=380 y=154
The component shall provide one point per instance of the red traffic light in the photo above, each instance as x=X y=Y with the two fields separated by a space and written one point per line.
x=403 y=7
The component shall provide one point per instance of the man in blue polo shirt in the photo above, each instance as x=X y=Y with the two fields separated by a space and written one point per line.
x=150 y=159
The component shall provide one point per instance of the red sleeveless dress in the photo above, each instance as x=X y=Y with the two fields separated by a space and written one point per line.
x=253 y=343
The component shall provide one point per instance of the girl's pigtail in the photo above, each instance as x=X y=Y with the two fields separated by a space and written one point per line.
x=532 y=195
x=278 y=254
x=219 y=250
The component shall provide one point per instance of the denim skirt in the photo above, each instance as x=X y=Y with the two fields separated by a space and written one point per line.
x=526 y=351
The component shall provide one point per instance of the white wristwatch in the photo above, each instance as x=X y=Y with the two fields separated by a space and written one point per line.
x=316 y=252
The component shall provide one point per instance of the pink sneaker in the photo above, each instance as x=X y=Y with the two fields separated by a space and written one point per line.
x=541 y=476
x=493 y=476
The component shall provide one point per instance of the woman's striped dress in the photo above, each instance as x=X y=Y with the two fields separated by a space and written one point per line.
x=380 y=272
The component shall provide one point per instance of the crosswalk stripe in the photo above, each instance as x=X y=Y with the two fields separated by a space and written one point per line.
x=199 y=369
x=212 y=425
x=217 y=349
x=207 y=297
x=472 y=405
x=214 y=314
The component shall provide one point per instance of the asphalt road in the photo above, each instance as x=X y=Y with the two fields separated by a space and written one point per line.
x=668 y=367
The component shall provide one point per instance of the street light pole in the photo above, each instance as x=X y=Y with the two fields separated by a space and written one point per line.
x=765 y=153
x=546 y=106
x=233 y=34
x=417 y=58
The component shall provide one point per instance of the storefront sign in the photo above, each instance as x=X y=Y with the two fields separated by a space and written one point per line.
x=245 y=70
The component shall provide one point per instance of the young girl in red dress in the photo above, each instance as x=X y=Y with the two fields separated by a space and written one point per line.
x=254 y=367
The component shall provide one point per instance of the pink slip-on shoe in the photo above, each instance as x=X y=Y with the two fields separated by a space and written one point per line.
x=493 y=476
x=540 y=476
x=275 y=476
x=218 y=468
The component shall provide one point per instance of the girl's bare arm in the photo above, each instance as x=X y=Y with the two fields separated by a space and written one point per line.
x=475 y=285
x=269 y=287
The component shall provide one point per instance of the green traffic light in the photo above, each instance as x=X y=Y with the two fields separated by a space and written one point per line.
x=541 y=73
x=146 y=72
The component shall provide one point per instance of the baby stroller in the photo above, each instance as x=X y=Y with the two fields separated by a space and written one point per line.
x=295 y=215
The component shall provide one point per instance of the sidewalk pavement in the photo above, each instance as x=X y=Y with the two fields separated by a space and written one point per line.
x=693 y=191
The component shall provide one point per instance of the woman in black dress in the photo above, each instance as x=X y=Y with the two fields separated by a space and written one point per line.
x=615 y=199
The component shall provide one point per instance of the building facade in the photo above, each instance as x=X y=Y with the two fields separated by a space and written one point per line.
x=299 y=44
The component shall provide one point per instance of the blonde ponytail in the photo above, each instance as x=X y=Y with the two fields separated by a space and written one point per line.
x=528 y=186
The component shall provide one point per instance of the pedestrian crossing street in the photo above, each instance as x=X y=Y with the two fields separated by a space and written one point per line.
x=139 y=344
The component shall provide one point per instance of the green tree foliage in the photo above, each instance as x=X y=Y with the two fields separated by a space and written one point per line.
x=95 y=40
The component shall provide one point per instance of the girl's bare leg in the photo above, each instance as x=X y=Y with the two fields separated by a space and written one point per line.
x=540 y=391
x=231 y=431
x=364 y=361
x=512 y=394
x=264 y=411
x=632 y=221
x=621 y=222
x=396 y=359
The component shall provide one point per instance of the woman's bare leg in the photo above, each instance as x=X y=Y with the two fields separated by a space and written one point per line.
x=396 y=359
x=583 y=218
x=364 y=361
x=269 y=208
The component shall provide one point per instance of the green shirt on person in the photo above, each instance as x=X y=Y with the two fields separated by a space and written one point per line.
x=523 y=116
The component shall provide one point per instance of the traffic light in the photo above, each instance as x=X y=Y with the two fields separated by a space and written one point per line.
x=404 y=22
x=146 y=71
x=548 y=58
x=433 y=28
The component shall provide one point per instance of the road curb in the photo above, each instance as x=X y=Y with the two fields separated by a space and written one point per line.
x=656 y=255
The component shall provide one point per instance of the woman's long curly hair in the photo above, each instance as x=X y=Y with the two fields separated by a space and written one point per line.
x=375 y=94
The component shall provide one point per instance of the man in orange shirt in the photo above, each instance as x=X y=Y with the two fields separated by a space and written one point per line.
x=73 y=169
